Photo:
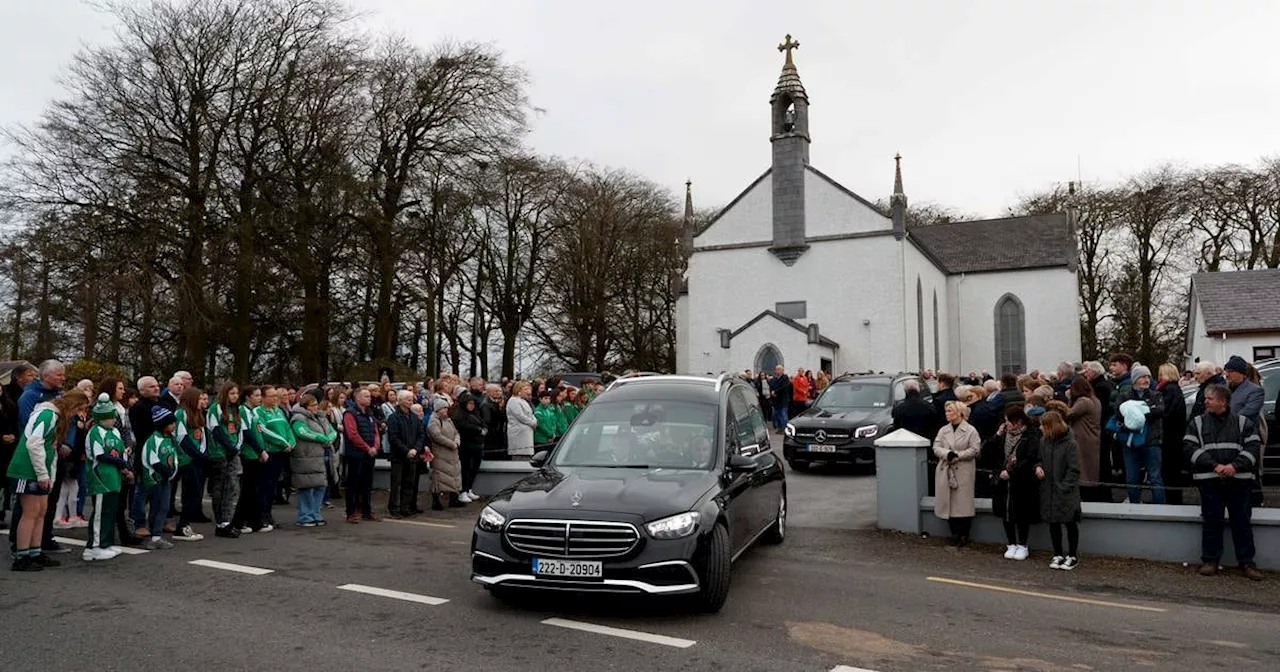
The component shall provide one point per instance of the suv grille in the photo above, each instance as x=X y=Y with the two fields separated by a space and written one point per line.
x=828 y=435
x=572 y=538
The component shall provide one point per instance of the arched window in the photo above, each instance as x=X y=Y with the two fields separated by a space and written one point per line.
x=1011 y=335
x=768 y=358
x=920 y=323
x=937 y=356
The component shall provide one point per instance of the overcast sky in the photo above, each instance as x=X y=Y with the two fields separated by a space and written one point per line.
x=986 y=100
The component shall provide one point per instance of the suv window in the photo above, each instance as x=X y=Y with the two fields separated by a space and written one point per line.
x=900 y=389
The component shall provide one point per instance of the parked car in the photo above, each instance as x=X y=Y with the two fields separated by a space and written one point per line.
x=656 y=489
x=843 y=422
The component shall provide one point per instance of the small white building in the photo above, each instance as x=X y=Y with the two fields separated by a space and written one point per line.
x=1234 y=313
x=801 y=271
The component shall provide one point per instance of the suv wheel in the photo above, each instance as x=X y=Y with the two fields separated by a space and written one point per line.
x=797 y=465
x=714 y=573
x=778 y=531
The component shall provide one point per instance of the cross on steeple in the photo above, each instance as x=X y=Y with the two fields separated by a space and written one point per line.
x=788 y=45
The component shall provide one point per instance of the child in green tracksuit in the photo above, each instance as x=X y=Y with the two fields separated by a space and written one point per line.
x=159 y=466
x=106 y=464
x=545 y=414
x=278 y=440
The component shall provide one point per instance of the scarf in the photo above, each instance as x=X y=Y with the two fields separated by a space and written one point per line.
x=1011 y=439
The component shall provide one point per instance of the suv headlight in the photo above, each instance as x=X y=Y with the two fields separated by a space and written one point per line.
x=490 y=520
x=790 y=430
x=866 y=432
x=674 y=527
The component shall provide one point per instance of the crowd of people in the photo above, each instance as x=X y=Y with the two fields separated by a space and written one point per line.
x=143 y=458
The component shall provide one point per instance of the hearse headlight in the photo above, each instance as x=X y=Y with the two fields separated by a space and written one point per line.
x=490 y=520
x=674 y=527
x=867 y=432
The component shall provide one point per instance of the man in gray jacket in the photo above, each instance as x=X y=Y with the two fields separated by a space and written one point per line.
x=1247 y=396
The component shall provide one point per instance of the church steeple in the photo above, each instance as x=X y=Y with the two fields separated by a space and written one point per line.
x=686 y=229
x=898 y=202
x=789 y=133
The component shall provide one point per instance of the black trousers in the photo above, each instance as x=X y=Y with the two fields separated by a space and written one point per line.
x=190 y=476
x=471 y=457
x=960 y=526
x=1073 y=538
x=124 y=526
x=249 y=508
x=402 y=497
x=359 y=491
x=1017 y=533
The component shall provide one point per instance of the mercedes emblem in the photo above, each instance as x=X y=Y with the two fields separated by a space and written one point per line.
x=576 y=498
x=820 y=436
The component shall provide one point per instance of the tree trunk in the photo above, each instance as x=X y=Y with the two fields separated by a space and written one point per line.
x=384 y=317
x=365 y=313
x=509 y=335
x=44 y=345
x=145 y=361
x=416 y=346
x=20 y=293
x=90 y=316
x=326 y=322
x=241 y=320
x=117 y=326
x=313 y=332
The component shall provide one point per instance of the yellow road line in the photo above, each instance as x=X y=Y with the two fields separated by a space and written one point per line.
x=1049 y=596
x=418 y=523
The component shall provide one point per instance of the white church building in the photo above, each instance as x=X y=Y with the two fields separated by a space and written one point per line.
x=799 y=270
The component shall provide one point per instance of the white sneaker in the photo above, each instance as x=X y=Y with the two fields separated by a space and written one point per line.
x=1056 y=563
x=95 y=554
x=115 y=549
x=465 y=498
x=62 y=524
x=109 y=552
x=246 y=530
x=1070 y=563
x=187 y=534
x=1020 y=553
x=1008 y=551
x=473 y=495
x=266 y=528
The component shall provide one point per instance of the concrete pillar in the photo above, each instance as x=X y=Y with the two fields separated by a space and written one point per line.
x=901 y=459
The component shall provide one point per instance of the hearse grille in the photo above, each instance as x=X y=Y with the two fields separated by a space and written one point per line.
x=572 y=538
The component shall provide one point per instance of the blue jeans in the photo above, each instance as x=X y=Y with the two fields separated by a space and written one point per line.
x=138 y=507
x=158 y=498
x=1135 y=459
x=309 y=501
x=1233 y=495
x=80 y=493
x=780 y=412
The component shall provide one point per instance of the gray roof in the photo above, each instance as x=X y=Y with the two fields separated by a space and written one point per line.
x=1012 y=243
x=1236 y=301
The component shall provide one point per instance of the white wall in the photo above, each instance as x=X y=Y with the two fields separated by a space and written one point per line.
x=931 y=279
x=830 y=211
x=749 y=220
x=844 y=283
x=1216 y=349
x=682 y=328
x=1049 y=298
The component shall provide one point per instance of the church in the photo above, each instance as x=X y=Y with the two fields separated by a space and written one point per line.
x=801 y=271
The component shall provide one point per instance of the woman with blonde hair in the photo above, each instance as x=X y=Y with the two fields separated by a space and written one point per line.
x=520 y=420
x=1175 y=470
x=956 y=446
x=1059 y=474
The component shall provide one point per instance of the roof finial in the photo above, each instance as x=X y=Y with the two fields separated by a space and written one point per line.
x=788 y=45
x=688 y=201
x=897 y=175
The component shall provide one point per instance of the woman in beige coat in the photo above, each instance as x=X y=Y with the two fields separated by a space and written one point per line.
x=957 y=447
x=1085 y=419
x=446 y=467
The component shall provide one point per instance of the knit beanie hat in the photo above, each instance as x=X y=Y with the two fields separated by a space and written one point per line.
x=440 y=402
x=1237 y=364
x=104 y=409
x=162 y=417
x=1138 y=371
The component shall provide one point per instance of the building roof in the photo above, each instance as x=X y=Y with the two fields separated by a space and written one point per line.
x=1009 y=244
x=1238 y=301
x=823 y=340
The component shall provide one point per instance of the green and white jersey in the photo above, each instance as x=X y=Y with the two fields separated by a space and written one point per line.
x=186 y=431
x=252 y=427
x=230 y=424
x=38 y=447
x=103 y=447
x=159 y=449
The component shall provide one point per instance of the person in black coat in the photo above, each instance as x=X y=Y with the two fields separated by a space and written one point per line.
x=406 y=436
x=1013 y=457
x=494 y=411
x=1206 y=374
x=21 y=375
x=780 y=391
x=1174 y=468
x=916 y=415
x=946 y=392
x=471 y=437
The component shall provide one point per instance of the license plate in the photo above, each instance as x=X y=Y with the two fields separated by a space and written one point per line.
x=573 y=569
x=816 y=448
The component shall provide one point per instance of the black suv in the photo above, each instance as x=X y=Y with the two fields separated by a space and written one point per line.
x=844 y=421
x=657 y=487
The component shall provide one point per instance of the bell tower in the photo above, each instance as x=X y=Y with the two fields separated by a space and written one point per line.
x=789 y=134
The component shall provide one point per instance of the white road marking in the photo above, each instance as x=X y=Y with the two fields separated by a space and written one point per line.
x=419 y=523
x=243 y=569
x=619 y=632
x=846 y=668
x=81 y=542
x=394 y=594
x=1048 y=596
